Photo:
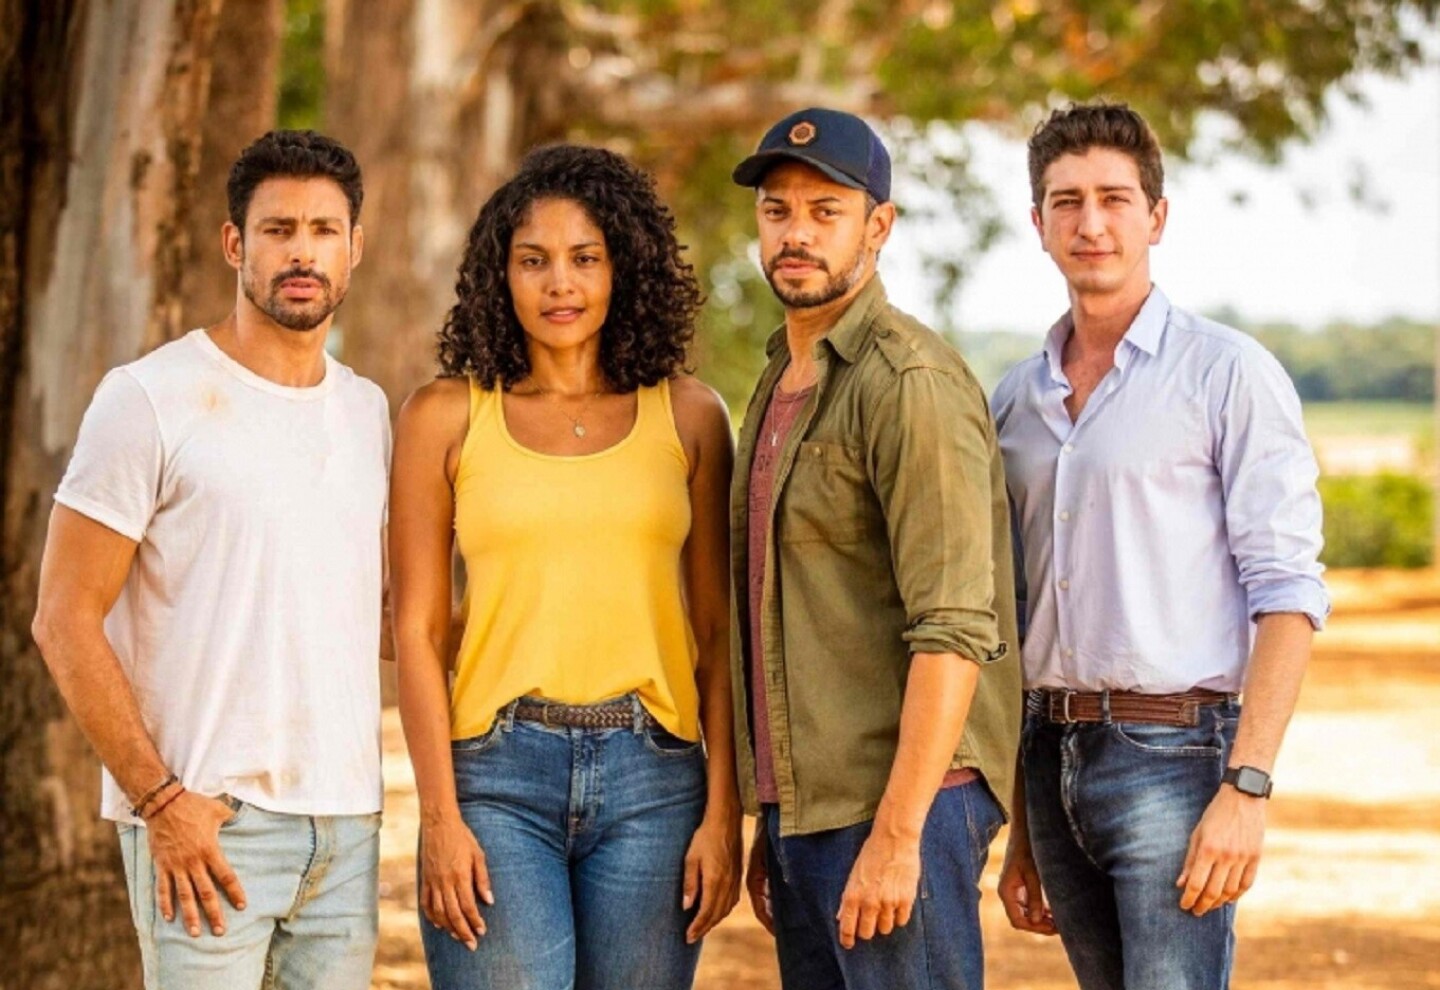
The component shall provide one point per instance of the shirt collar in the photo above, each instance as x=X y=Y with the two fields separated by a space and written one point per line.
x=1144 y=334
x=850 y=331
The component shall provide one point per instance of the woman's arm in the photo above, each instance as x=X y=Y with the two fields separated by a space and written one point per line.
x=428 y=437
x=712 y=866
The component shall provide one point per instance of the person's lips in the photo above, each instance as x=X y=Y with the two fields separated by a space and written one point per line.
x=562 y=314
x=301 y=288
x=1093 y=255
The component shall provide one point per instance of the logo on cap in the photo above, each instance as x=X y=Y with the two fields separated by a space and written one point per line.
x=802 y=133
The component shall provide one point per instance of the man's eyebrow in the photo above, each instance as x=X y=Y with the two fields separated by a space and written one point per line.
x=1075 y=191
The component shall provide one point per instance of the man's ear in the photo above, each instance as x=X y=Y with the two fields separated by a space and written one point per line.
x=879 y=225
x=1159 y=213
x=357 y=245
x=232 y=243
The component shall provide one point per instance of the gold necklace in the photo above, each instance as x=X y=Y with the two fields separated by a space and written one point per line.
x=576 y=426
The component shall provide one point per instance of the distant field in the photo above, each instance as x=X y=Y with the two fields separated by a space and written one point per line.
x=1373 y=419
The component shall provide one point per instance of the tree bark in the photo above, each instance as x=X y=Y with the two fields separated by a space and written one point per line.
x=100 y=140
x=244 y=87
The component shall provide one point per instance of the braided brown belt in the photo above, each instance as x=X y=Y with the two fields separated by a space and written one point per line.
x=607 y=715
x=1066 y=707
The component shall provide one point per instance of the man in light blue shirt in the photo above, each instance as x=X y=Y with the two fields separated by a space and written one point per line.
x=1165 y=499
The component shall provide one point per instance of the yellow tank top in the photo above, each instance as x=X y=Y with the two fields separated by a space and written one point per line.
x=573 y=575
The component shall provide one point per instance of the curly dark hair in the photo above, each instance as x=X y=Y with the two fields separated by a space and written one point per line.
x=654 y=296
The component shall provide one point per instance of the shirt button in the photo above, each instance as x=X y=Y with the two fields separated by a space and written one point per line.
x=1067 y=448
x=1064 y=517
x=1069 y=652
x=1064 y=584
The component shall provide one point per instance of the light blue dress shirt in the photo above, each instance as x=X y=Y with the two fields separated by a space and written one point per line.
x=1180 y=506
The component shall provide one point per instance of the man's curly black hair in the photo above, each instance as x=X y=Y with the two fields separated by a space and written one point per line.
x=654 y=296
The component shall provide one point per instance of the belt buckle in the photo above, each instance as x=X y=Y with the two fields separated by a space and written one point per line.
x=545 y=715
x=1065 y=717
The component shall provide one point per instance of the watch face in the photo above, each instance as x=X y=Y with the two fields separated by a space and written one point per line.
x=1251 y=781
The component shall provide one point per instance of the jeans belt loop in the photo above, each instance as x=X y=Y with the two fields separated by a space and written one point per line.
x=637 y=714
x=509 y=715
x=1105 y=706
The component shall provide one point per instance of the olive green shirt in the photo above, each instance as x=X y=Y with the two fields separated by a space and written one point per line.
x=889 y=535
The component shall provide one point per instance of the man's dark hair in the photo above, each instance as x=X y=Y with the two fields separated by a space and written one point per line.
x=654 y=296
x=292 y=155
x=1075 y=129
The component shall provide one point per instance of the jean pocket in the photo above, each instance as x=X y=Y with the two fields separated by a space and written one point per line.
x=1170 y=740
x=665 y=743
x=237 y=810
x=475 y=745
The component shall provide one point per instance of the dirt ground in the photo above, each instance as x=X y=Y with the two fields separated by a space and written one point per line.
x=1349 y=892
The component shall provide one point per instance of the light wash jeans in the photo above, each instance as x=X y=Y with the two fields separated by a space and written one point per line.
x=1111 y=809
x=585 y=833
x=311 y=915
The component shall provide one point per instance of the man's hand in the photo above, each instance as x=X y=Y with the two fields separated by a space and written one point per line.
x=1020 y=890
x=757 y=878
x=185 y=847
x=881 y=891
x=1224 y=851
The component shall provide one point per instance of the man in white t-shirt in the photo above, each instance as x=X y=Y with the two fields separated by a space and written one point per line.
x=210 y=605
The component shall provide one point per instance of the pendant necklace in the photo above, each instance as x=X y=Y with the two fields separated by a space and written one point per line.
x=576 y=426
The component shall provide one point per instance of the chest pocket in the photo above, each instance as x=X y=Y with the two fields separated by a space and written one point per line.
x=827 y=497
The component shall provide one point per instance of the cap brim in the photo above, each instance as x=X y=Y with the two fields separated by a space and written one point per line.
x=751 y=172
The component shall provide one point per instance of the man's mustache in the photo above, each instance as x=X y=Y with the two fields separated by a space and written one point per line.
x=290 y=273
x=796 y=254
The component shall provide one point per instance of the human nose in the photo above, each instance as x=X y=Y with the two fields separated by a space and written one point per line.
x=302 y=248
x=560 y=278
x=797 y=233
x=1092 y=220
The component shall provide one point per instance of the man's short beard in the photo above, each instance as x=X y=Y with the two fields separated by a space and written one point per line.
x=835 y=287
x=306 y=317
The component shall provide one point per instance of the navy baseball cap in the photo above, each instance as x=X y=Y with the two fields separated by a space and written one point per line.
x=839 y=144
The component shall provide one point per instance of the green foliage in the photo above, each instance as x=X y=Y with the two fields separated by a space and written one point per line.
x=1391 y=361
x=302 y=65
x=1381 y=521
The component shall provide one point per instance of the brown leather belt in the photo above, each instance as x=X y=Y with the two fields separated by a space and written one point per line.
x=606 y=715
x=1067 y=707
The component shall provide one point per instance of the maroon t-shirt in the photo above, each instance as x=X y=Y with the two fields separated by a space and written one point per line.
x=780 y=418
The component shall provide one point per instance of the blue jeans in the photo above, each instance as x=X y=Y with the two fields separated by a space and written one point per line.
x=585 y=833
x=939 y=948
x=1111 y=808
x=311 y=907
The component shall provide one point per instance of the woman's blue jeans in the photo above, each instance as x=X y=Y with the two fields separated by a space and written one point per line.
x=1111 y=808
x=585 y=833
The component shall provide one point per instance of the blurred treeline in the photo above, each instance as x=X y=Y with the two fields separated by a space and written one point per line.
x=1389 y=361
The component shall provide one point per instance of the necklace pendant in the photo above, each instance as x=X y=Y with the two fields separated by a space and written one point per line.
x=579 y=430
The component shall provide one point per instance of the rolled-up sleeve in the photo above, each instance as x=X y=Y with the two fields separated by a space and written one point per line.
x=1272 y=506
x=930 y=446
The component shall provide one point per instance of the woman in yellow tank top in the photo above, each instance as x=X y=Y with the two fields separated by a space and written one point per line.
x=574 y=828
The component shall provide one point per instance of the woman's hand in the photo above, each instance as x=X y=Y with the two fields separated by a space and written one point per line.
x=712 y=870
x=452 y=870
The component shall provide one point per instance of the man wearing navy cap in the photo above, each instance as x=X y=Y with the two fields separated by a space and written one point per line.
x=877 y=694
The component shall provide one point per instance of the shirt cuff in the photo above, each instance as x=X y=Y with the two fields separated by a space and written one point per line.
x=933 y=638
x=1305 y=596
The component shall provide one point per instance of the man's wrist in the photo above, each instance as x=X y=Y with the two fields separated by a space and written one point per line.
x=1249 y=781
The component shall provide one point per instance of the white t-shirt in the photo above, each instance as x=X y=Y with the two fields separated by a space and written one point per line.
x=249 y=625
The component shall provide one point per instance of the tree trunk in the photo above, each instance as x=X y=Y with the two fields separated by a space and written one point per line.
x=244 y=87
x=102 y=107
x=438 y=99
